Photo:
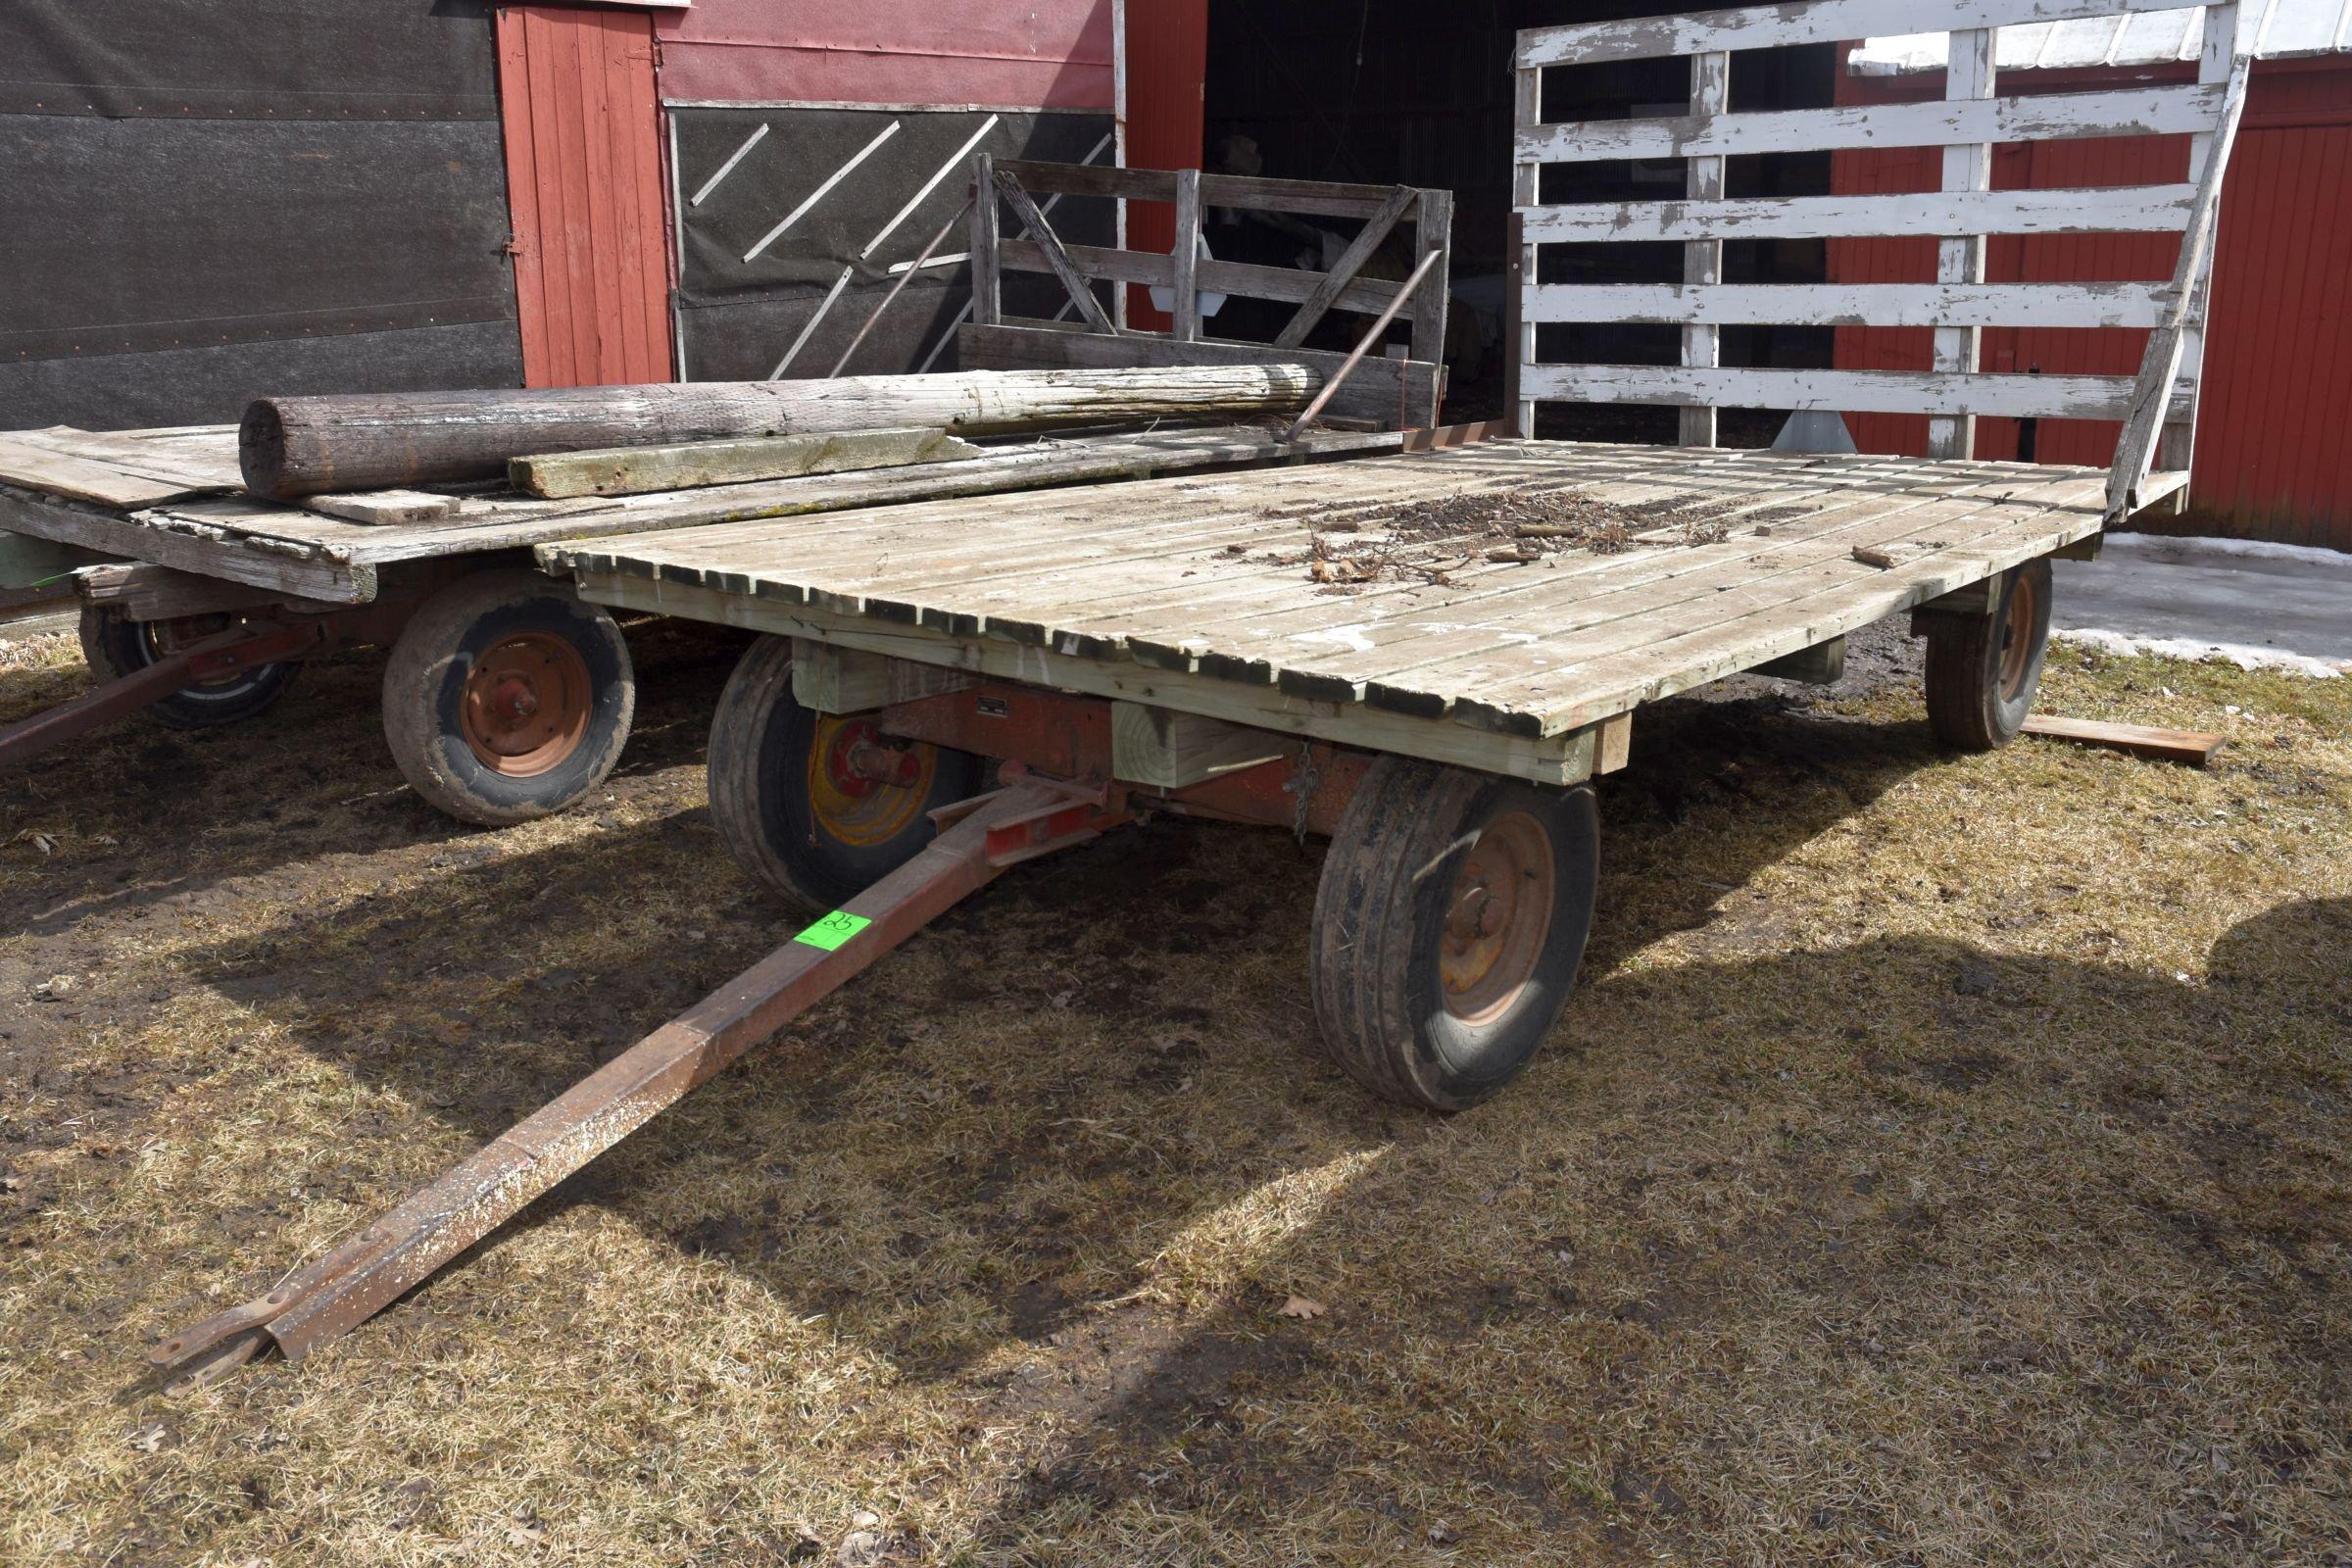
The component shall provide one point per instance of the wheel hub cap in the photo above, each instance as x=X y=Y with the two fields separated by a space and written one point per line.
x=2017 y=638
x=527 y=705
x=1497 y=916
x=864 y=788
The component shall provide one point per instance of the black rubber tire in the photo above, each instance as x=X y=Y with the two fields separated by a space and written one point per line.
x=424 y=694
x=760 y=738
x=1380 y=915
x=1968 y=706
x=116 y=647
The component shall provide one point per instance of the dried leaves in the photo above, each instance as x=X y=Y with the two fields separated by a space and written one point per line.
x=1429 y=540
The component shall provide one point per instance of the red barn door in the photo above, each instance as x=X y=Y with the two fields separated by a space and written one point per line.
x=584 y=185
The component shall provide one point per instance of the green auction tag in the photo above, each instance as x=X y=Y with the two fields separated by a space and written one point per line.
x=833 y=930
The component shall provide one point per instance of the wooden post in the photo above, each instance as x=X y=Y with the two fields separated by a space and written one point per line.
x=1187 y=256
x=2176 y=448
x=1527 y=96
x=292 y=447
x=1033 y=223
x=1433 y=232
x=1960 y=258
x=1702 y=260
x=988 y=298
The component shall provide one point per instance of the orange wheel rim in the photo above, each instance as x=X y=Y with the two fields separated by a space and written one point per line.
x=2017 y=638
x=865 y=788
x=527 y=705
x=1498 y=914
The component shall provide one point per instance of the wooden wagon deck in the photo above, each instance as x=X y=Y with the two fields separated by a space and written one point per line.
x=1194 y=593
x=172 y=497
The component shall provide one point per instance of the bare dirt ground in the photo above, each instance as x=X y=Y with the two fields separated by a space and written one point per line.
x=1943 y=1161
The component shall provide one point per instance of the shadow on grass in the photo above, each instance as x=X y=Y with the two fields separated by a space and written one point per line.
x=1470 y=1362
x=190 y=810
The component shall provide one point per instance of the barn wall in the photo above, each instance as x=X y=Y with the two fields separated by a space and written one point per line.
x=1167 y=61
x=1003 y=54
x=188 y=221
x=2272 y=461
x=816 y=145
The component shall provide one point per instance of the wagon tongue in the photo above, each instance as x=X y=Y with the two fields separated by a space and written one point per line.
x=324 y=1299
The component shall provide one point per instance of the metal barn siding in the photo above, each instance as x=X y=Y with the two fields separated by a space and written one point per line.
x=1167 y=67
x=2272 y=461
x=997 y=54
x=584 y=183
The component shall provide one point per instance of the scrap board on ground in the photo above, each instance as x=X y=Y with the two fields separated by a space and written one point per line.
x=1359 y=601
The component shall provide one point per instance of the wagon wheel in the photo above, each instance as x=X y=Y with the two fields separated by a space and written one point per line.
x=505 y=698
x=116 y=647
x=818 y=806
x=1985 y=670
x=1448 y=928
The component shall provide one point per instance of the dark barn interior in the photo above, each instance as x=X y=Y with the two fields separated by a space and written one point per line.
x=1388 y=91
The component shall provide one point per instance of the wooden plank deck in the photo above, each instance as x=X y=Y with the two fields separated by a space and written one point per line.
x=172 y=497
x=1194 y=591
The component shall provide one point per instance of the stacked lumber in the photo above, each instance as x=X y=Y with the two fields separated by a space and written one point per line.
x=294 y=447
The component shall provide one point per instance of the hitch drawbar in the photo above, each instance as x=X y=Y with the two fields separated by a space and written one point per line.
x=321 y=1300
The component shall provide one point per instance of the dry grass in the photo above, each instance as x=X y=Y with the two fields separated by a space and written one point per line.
x=1943 y=1162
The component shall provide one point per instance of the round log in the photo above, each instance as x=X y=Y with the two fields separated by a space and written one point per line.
x=294 y=447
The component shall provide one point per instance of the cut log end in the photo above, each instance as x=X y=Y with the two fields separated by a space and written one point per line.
x=262 y=453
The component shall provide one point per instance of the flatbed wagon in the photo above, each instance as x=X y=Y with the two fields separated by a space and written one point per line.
x=1424 y=654
x=203 y=602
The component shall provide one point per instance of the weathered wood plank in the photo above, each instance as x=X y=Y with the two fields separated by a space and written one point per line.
x=198 y=459
x=1792 y=23
x=1960 y=256
x=1166 y=749
x=1703 y=258
x=2014 y=395
x=2194 y=747
x=641 y=471
x=1185 y=258
x=1397 y=393
x=1343 y=271
x=83 y=478
x=2071 y=304
x=1058 y=260
x=145 y=591
x=299 y=570
x=2106 y=209
x=2130 y=111
x=385 y=508
x=1251 y=193
x=1250 y=280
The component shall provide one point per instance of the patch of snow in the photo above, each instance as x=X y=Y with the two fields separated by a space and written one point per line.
x=2245 y=658
x=2201 y=551
x=2258 y=606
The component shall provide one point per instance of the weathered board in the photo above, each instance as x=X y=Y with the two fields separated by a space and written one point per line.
x=1143 y=595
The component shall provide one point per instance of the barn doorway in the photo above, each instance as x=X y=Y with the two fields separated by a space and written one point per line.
x=1396 y=92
